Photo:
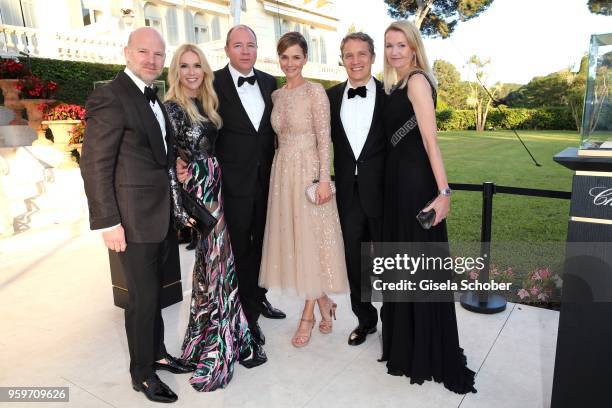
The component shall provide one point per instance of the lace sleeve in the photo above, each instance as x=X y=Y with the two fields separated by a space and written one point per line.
x=321 y=126
x=176 y=116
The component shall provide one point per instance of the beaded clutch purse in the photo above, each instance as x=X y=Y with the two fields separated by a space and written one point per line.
x=311 y=190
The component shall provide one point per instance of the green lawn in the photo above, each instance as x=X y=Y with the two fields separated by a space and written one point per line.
x=528 y=233
x=472 y=157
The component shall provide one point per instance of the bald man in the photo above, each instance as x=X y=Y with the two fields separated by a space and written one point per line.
x=125 y=171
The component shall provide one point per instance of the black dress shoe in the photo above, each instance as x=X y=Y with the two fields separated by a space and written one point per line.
x=359 y=335
x=269 y=311
x=155 y=390
x=257 y=334
x=256 y=359
x=174 y=365
x=193 y=244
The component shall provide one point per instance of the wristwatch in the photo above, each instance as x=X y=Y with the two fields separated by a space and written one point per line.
x=447 y=192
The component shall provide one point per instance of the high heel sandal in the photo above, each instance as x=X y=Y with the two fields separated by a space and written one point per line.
x=326 y=325
x=299 y=340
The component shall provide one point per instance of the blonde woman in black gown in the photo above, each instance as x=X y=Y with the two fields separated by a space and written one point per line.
x=420 y=340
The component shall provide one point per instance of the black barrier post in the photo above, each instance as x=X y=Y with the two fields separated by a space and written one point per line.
x=483 y=302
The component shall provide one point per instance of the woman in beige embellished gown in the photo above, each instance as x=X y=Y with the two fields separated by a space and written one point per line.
x=303 y=251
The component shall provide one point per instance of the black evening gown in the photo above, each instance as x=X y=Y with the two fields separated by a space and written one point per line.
x=420 y=340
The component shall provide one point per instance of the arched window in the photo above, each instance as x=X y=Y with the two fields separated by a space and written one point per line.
x=189 y=30
x=153 y=17
x=200 y=27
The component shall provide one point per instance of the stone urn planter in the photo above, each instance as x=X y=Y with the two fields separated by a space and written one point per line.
x=61 y=140
x=12 y=100
x=35 y=116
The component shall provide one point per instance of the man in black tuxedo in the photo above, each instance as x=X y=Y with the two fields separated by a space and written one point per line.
x=245 y=149
x=125 y=172
x=359 y=154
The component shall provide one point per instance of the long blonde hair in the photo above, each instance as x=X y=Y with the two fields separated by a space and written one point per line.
x=207 y=94
x=413 y=37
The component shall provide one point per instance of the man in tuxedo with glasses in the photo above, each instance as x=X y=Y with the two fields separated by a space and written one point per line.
x=126 y=154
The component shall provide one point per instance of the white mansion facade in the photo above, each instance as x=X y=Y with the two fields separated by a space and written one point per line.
x=96 y=30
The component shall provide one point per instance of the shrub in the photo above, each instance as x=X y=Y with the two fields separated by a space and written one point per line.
x=551 y=118
x=456 y=119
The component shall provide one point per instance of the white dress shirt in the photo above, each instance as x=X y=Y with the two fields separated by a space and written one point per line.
x=159 y=115
x=250 y=96
x=356 y=115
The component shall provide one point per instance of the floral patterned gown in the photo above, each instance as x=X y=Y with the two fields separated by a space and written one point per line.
x=217 y=334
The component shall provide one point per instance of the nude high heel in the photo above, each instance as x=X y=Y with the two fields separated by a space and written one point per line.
x=326 y=325
x=300 y=340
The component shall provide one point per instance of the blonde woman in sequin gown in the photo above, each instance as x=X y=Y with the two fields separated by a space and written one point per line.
x=303 y=251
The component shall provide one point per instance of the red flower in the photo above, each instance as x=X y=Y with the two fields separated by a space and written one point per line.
x=11 y=69
x=65 y=112
x=34 y=87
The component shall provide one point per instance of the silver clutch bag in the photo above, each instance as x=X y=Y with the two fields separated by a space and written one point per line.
x=311 y=190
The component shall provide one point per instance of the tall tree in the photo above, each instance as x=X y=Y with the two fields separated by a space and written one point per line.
x=437 y=17
x=451 y=92
x=479 y=99
x=562 y=88
x=600 y=7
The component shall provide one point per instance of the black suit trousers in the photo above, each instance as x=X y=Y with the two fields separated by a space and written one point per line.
x=357 y=227
x=142 y=264
x=247 y=242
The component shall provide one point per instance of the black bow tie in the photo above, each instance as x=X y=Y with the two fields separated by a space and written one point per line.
x=361 y=91
x=150 y=92
x=251 y=80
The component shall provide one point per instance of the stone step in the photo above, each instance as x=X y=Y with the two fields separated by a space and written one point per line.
x=34 y=194
x=16 y=135
x=6 y=115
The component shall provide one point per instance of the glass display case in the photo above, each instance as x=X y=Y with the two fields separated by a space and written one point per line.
x=596 y=130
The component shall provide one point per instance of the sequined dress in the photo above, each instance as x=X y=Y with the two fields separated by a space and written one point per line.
x=217 y=334
x=303 y=251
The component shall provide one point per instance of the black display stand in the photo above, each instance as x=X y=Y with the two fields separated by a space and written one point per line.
x=172 y=290
x=583 y=362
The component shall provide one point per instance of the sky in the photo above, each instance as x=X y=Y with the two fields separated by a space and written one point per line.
x=522 y=38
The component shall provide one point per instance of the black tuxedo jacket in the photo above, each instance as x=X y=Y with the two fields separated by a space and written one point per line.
x=370 y=163
x=245 y=154
x=124 y=164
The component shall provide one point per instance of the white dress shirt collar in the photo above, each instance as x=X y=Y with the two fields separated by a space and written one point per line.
x=157 y=111
x=237 y=74
x=139 y=82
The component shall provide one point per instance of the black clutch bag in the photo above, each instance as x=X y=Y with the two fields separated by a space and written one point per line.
x=426 y=218
x=204 y=220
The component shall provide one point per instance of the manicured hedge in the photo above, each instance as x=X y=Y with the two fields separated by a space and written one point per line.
x=509 y=118
x=75 y=79
x=455 y=119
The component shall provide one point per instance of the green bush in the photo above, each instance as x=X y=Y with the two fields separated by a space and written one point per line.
x=74 y=79
x=455 y=119
x=550 y=118
x=509 y=118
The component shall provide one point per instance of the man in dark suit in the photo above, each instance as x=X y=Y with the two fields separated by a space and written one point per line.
x=245 y=149
x=125 y=172
x=359 y=154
